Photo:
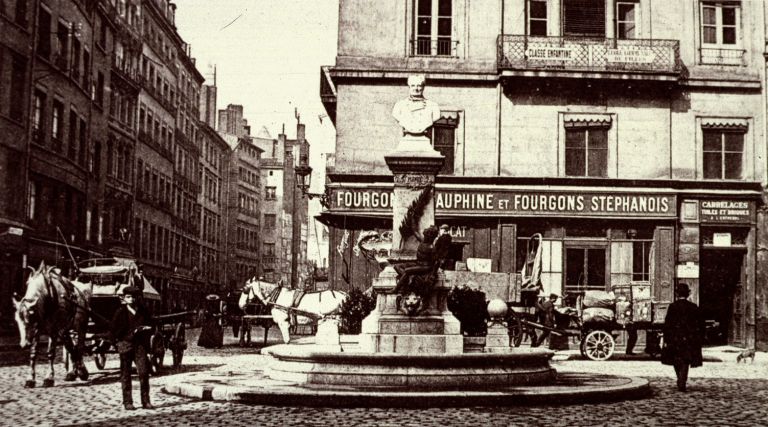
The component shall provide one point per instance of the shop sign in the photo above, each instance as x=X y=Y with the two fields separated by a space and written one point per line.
x=688 y=270
x=519 y=203
x=547 y=53
x=629 y=55
x=730 y=211
x=721 y=239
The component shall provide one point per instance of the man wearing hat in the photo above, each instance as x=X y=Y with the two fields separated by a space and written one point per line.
x=683 y=336
x=546 y=311
x=131 y=329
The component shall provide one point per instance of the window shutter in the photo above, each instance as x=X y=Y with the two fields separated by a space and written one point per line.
x=584 y=18
x=662 y=260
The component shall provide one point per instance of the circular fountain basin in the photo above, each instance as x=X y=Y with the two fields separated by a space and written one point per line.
x=314 y=365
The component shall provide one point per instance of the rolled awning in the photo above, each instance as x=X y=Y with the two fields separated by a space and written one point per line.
x=571 y=120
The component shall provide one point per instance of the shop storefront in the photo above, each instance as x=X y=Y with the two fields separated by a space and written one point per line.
x=593 y=238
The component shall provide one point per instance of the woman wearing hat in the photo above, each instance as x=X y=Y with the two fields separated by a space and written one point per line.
x=683 y=335
x=212 y=333
x=131 y=327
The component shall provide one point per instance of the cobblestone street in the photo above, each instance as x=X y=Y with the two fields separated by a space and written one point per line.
x=719 y=394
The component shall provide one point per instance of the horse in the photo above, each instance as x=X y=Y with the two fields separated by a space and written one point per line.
x=291 y=307
x=54 y=305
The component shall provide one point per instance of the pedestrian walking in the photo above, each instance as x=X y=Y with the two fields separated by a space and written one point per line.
x=131 y=329
x=212 y=333
x=546 y=311
x=683 y=335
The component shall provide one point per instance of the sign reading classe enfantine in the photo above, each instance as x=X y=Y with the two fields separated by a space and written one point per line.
x=518 y=203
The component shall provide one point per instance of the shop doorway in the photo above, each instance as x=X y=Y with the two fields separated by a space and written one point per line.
x=720 y=295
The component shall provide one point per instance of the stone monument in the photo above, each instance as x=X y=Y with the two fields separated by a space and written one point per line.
x=414 y=164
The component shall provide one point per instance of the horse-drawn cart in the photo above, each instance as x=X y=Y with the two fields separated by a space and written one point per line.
x=108 y=277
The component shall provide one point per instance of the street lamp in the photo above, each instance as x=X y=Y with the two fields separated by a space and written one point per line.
x=304 y=174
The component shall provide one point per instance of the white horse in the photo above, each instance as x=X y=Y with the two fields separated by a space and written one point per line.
x=291 y=304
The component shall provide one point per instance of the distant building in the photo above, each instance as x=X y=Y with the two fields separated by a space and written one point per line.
x=231 y=121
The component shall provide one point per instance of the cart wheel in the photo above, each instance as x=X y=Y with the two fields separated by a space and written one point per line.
x=515 y=328
x=179 y=344
x=157 y=354
x=598 y=345
x=100 y=359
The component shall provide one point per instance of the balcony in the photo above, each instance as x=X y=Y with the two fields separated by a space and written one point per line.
x=558 y=56
x=442 y=46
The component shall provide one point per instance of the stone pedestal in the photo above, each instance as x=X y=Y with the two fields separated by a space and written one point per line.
x=497 y=338
x=432 y=328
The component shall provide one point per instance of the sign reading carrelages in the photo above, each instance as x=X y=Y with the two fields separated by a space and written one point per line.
x=729 y=211
x=518 y=203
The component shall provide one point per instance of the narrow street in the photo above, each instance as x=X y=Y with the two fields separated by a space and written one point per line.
x=719 y=394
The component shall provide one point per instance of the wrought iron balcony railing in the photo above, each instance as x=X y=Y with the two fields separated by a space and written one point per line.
x=589 y=54
x=717 y=56
x=441 y=46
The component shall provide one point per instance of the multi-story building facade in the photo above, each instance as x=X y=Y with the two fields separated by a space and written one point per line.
x=243 y=199
x=630 y=134
x=284 y=209
x=231 y=121
x=167 y=216
x=16 y=53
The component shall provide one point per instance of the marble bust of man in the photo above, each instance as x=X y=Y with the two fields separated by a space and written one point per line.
x=416 y=114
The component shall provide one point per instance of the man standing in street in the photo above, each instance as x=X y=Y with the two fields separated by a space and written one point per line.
x=546 y=311
x=443 y=246
x=683 y=336
x=131 y=331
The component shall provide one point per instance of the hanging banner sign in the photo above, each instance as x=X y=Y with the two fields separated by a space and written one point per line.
x=729 y=211
x=546 y=53
x=518 y=203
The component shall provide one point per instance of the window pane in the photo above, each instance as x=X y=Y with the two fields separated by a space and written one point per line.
x=574 y=162
x=626 y=12
x=598 y=138
x=596 y=268
x=444 y=7
x=424 y=26
x=729 y=16
x=598 y=163
x=538 y=9
x=712 y=164
x=640 y=259
x=574 y=268
x=729 y=35
x=708 y=17
x=734 y=142
x=444 y=26
x=710 y=35
x=626 y=30
x=733 y=166
x=538 y=28
x=425 y=7
x=712 y=141
x=575 y=138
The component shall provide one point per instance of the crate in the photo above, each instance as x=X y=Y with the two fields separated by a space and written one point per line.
x=642 y=310
x=641 y=291
x=660 y=312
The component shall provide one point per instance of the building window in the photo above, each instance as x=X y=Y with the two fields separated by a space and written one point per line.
x=584 y=18
x=21 y=12
x=269 y=249
x=586 y=152
x=443 y=137
x=100 y=90
x=626 y=20
x=537 y=18
x=38 y=118
x=270 y=221
x=72 y=143
x=723 y=154
x=641 y=257
x=62 y=46
x=270 y=193
x=719 y=23
x=434 y=28
x=18 y=80
x=57 y=124
x=44 y=33
x=584 y=269
x=83 y=143
x=32 y=202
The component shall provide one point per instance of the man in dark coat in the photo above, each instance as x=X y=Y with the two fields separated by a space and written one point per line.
x=443 y=246
x=546 y=312
x=131 y=328
x=683 y=335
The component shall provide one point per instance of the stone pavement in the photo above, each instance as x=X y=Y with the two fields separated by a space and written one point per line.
x=720 y=394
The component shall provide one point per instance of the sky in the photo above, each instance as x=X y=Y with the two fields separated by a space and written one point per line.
x=267 y=55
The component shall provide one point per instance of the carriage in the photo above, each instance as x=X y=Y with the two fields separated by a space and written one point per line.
x=108 y=277
x=242 y=320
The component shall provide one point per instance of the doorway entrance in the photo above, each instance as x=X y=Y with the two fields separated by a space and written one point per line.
x=721 y=282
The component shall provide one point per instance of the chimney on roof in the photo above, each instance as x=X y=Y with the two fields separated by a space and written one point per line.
x=300 y=132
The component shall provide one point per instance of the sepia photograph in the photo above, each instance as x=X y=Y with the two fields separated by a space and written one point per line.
x=383 y=212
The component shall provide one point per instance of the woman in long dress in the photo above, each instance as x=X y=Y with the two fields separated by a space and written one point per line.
x=212 y=333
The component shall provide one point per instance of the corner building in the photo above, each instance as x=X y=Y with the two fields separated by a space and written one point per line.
x=630 y=134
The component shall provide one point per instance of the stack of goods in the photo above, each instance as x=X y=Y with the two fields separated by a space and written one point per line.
x=623 y=304
x=641 y=303
x=598 y=306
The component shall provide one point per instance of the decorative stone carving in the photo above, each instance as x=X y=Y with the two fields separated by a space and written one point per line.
x=416 y=114
x=412 y=181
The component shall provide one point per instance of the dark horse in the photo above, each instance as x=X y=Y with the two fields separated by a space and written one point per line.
x=55 y=306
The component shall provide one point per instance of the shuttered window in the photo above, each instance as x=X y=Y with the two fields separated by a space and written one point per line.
x=584 y=18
